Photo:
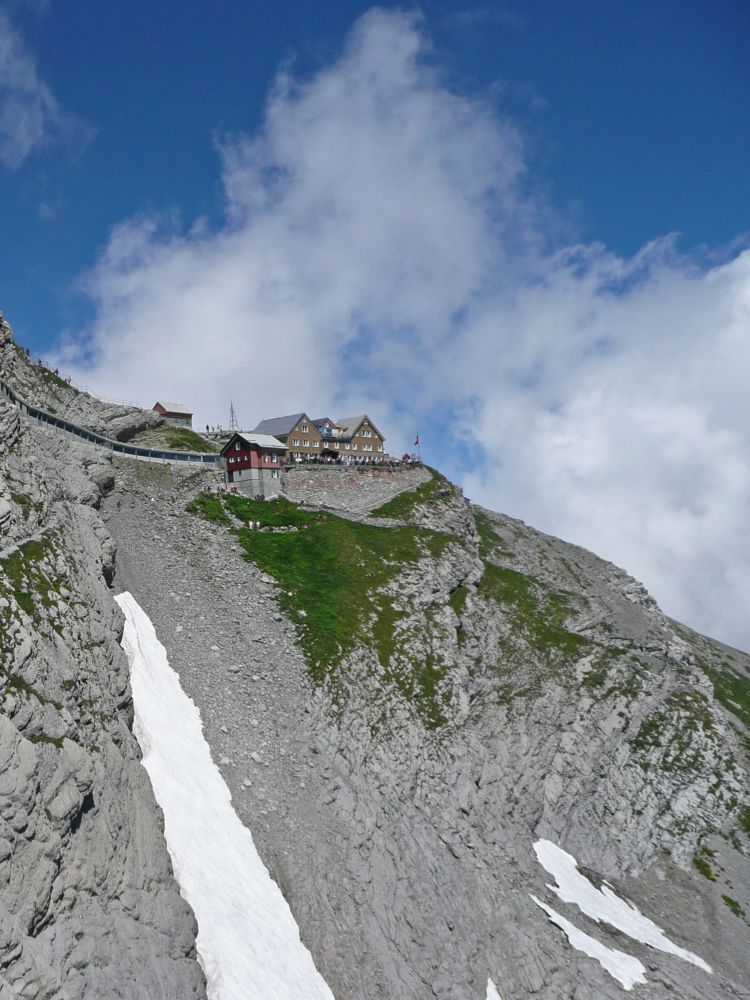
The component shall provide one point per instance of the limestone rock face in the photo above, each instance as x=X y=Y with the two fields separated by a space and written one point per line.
x=88 y=904
x=48 y=390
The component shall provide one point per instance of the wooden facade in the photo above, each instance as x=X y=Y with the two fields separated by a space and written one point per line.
x=347 y=440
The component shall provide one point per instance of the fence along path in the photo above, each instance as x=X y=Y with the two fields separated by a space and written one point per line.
x=129 y=450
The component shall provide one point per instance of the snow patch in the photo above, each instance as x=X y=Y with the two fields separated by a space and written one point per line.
x=492 y=993
x=604 y=904
x=248 y=941
x=626 y=969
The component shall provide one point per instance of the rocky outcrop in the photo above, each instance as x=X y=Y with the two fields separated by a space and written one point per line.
x=88 y=904
x=48 y=390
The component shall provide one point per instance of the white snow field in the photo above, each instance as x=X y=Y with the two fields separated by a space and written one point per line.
x=492 y=993
x=248 y=940
x=604 y=904
x=626 y=969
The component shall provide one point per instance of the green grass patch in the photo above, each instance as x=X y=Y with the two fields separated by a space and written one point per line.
x=15 y=684
x=209 y=506
x=55 y=741
x=402 y=506
x=598 y=675
x=331 y=570
x=538 y=613
x=22 y=500
x=331 y=573
x=488 y=539
x=671 y=729
x=731 y=688
x=702 y=861
x=27 y=581
x=458 y=599
x=734 y=906
x=183 y=439
x=276 y=513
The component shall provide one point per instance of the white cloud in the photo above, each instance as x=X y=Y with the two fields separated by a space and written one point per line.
x=30 y=116
x=378 y=254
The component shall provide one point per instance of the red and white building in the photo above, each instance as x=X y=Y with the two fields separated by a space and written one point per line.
x=253 y=462
x=174 y=413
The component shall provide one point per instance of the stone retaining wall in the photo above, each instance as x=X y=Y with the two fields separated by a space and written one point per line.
x=351 y=488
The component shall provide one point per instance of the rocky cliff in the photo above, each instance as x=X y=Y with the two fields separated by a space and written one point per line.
x=43 y=387
x=402 y=703
x=88 y=905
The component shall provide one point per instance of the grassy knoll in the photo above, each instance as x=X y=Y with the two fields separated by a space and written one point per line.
x=402 y=506
x=330 y=572
x=183 y=439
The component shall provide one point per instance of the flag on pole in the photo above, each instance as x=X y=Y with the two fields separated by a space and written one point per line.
x=416 y=442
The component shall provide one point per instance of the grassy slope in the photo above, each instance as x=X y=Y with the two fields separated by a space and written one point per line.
x=331 y=573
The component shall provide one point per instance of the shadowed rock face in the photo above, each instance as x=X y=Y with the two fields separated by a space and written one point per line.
x=495 y=686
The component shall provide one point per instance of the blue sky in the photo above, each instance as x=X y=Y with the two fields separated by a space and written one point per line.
x=635 y=115
x=521 y=228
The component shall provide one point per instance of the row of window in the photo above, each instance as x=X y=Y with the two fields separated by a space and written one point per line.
x=337 y=445
x=325 y=428
x=268 y=456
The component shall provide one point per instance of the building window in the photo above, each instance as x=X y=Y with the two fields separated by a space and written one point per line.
x=346 y=445
x=274 y=457
x=295 y=442
x=274 y=473
x=336 y=445
x=304 y=428
x=354 y=446
x=237 y=445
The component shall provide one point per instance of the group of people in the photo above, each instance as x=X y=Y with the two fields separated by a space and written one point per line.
x=355 y=460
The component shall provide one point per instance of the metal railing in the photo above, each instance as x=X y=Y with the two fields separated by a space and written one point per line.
x=118 y=447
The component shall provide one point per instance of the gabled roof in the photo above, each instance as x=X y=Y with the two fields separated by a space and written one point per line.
x=177 y=408
x=322 y=420
x=352 y=424
x=279 y=426
x=261 y=440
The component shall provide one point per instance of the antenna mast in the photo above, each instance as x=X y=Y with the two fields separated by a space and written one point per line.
x=233 y=422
